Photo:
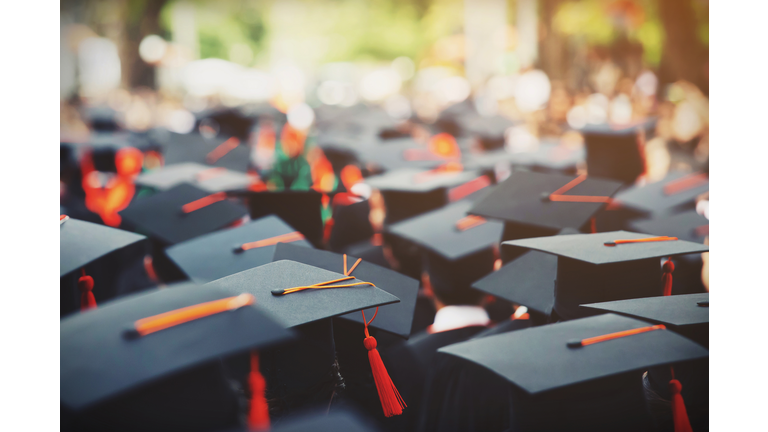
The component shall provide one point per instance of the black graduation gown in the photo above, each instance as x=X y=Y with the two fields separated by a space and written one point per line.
x=408 y=365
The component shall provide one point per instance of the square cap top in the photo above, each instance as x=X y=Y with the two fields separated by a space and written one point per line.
x=163 y=216
x=390 y=155
x=326 y=422
x=619 y=129
x=211 y=179
x=448 y=231
x=552 y=156
x=394 y=318
x=419 y=181
x=305 y=306
x=676 y=310
x=676 y=189
x=522 y=198
x=81 y=243
x=226 y=252
x=591 y=248
x=99 y=362
x=547 y=362
x=229 y=153
x=687 y=225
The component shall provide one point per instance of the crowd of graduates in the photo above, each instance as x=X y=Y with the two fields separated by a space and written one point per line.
x=505 y=272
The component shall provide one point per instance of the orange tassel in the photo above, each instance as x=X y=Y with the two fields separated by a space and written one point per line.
x=87 y=300
x=391 y=402
x=666 y=277
x=258 y=413
x=679 y=414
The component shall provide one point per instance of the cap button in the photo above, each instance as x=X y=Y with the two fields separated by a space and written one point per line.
x=545 y=197
x=238 y=249
x=704 y=303
x=609 y=243
x=278 y=292
x=574 y=343
x=130 y=333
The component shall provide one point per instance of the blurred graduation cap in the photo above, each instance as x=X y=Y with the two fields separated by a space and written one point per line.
x=226 y=252
x=587 y=372
x=146 y=362
x=333 y=421
x=216 y=179
x=535 y=204
x=395 y=154
x=687 y=225
x=83 y=242
x=394 y=318
x=409 y=192
x=616 y=265
x=551 y=157
x=489 y=130
x=351 y=225
x=227 y=122
x=528 y=280
x=614 y=151
x=98 y=251
x=676 y=191
x=299 y=209
x=182 y=213
x=305 y=297
x=101 y=118
x=229 y=153
x=685 y=314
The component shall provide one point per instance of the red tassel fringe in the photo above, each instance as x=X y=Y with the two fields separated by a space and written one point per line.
x=679 y=414
x=391 y=401
x=666 y=277
x=87 y=300
x=258 y=413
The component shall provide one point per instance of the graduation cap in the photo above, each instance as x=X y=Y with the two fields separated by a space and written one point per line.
x=147 y=361
x=396 y=154
x=216 y=179
x=226 y=252
x=535 y=204
x=490 y=130
x=82 y=243
x=409 y=192
x=528 y=280
x=395 y=318
x=614 y=151
x=101 y=118
x=229 y=153
x=351 y=224
x=182 y=213
x=304 y=297
x=685 y=314
x=616 y=265
x=551 y=157
x=299 y=209
x=580 y=375
x=687 y=225
x=229 y=122
x=677 y=190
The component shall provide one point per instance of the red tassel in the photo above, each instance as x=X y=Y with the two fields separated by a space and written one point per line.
x=679 y=414
x=391 y=402
x=666 y=277
x=593 y=225
x=258 y=413
x=87 y=300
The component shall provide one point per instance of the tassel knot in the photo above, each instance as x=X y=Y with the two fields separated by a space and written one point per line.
x=666 y=278
x=679 y=414
x=87 y=300
x=668 y=266
x=675 y=387
x=370 y=343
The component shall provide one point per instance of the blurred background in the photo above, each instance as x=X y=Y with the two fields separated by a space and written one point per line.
x=551 y=67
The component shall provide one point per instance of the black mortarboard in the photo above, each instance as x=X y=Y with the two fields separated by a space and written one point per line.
x=302 y=375
x=334 y=421
x=120 y=371
x=299 y=209
x=182 y=213
x=395 y=318
x=528 y=205
x=229 y=153
x=685 y=314
x=677 y=190
x=449 y=232
x=409 y=192
x=687 y=225
x=101 y=118
x=83 y=242
x=614 y=152
x=211 y=179
x=590 y=269
x=561 y=381
x=528 y=280
x=351 y=224
x=229 y=122
x=226 y=252
x=392 y=154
